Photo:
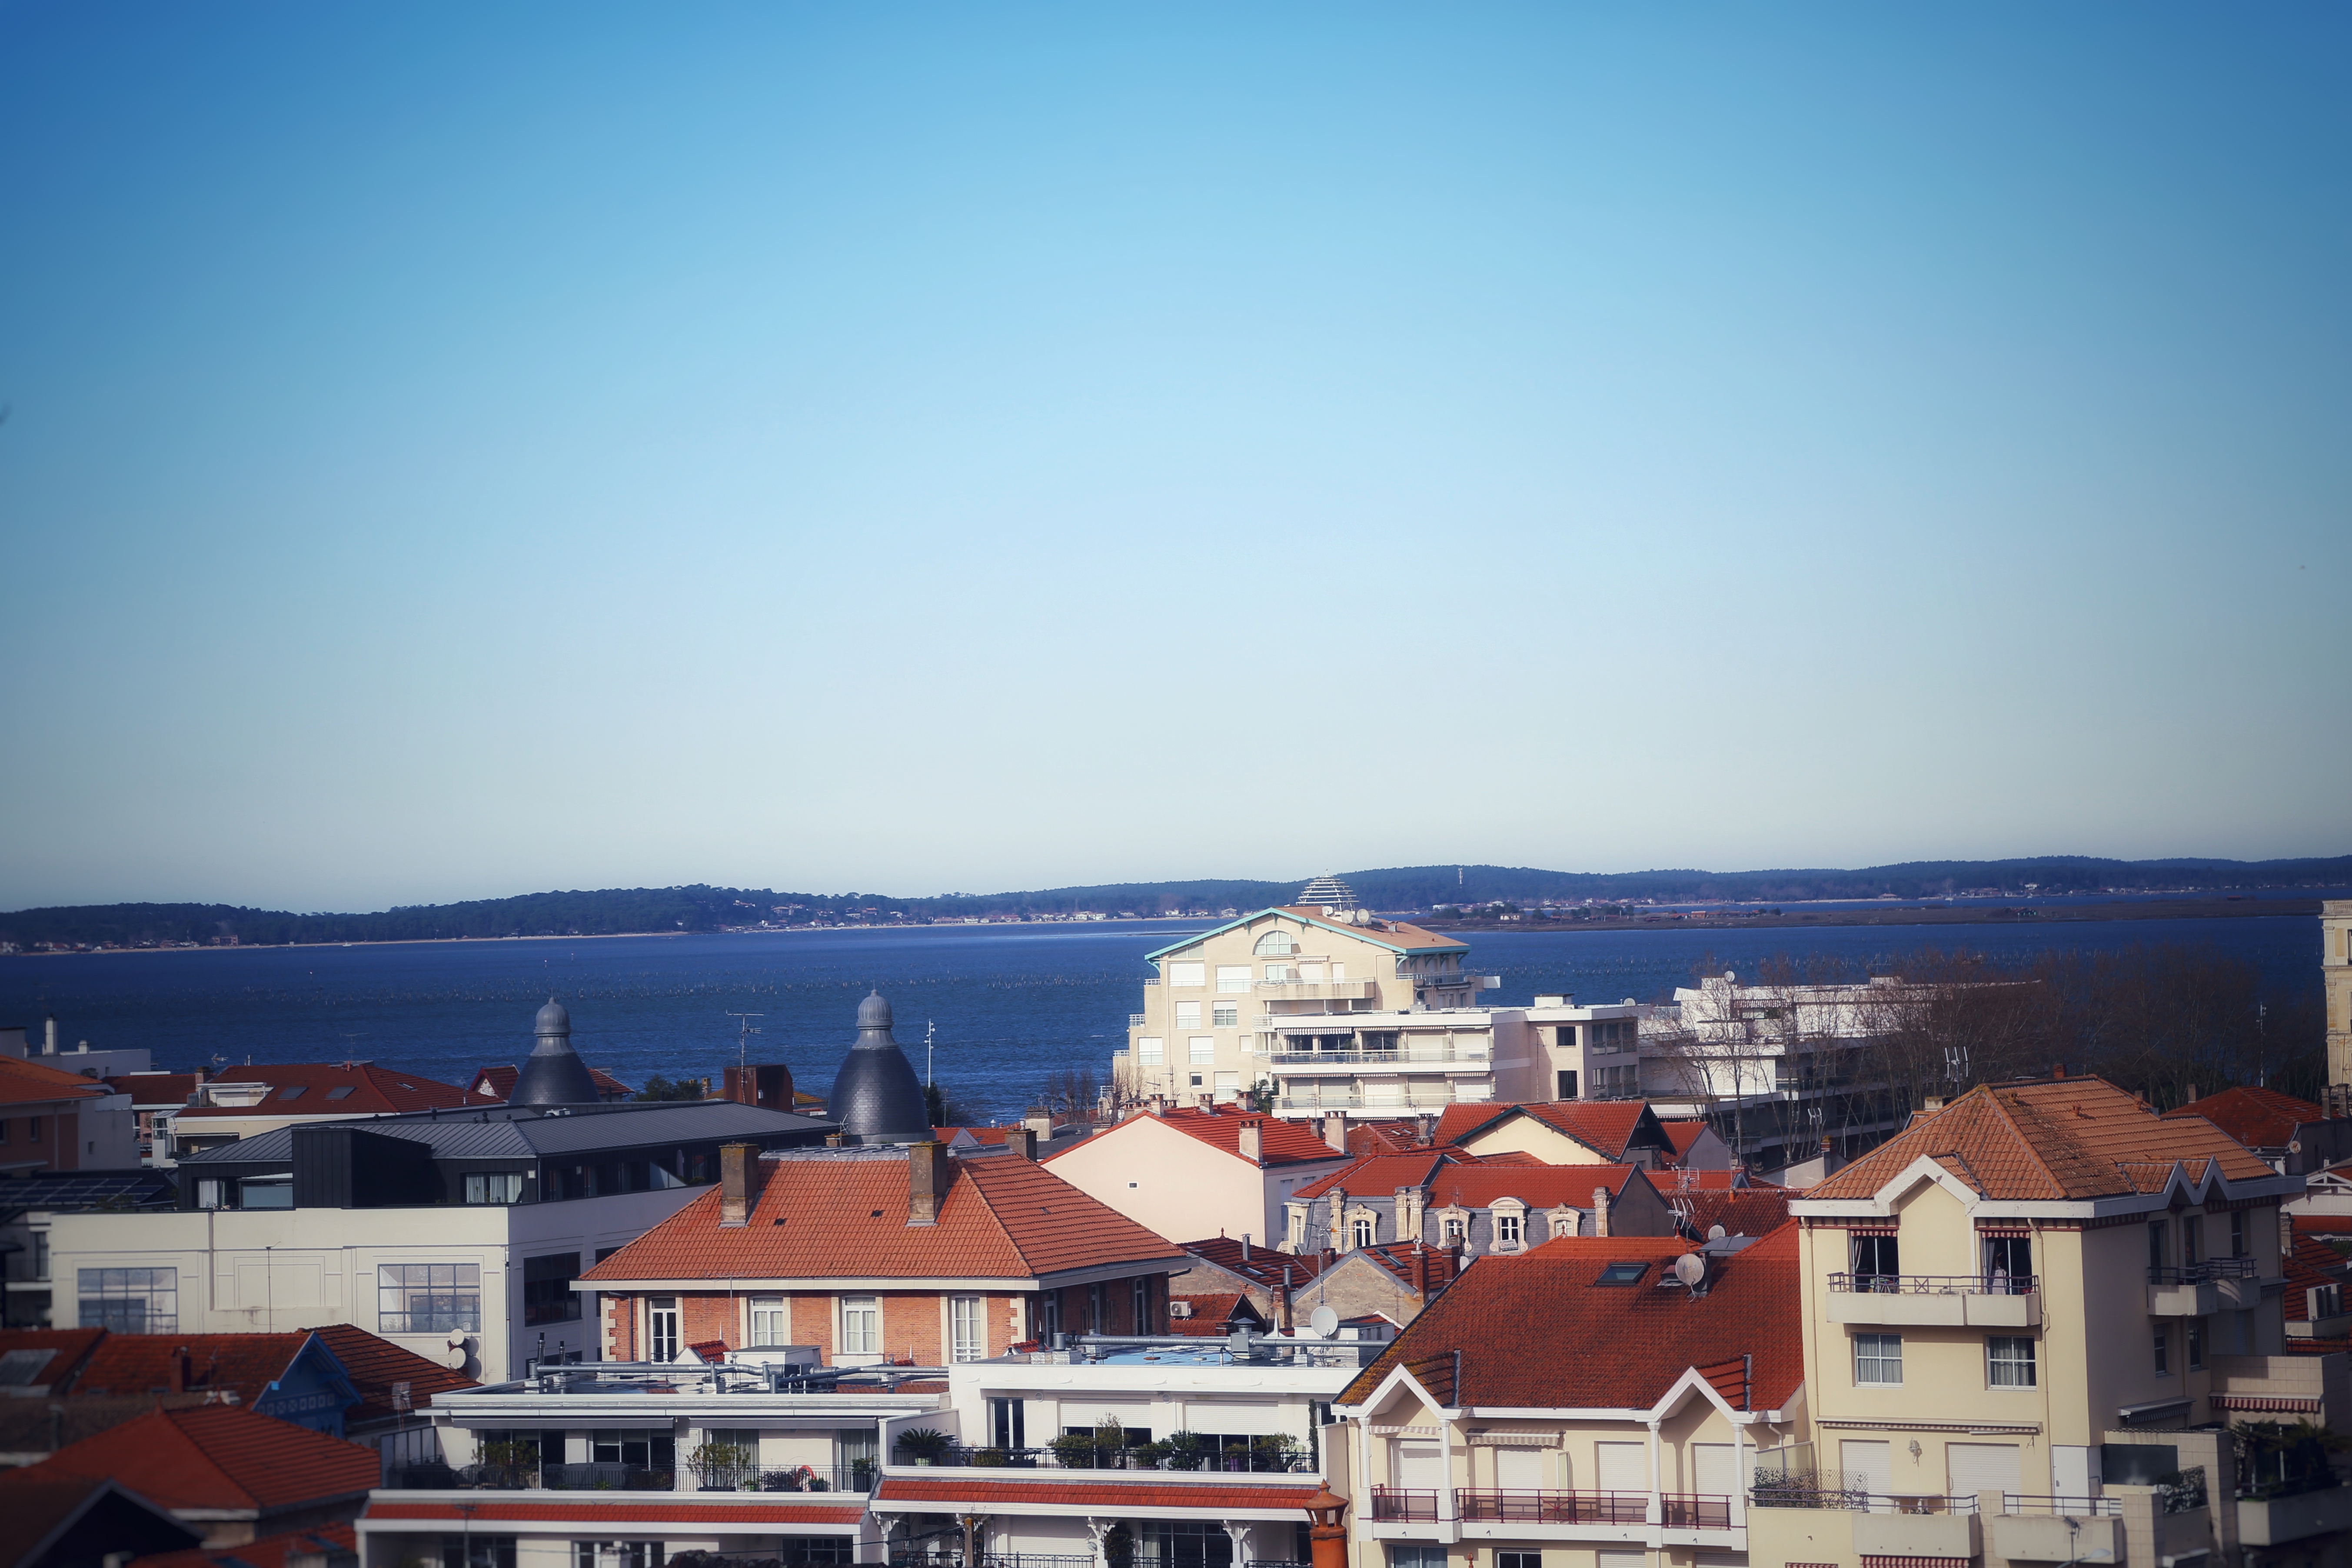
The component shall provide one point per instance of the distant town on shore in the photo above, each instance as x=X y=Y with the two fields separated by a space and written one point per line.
x=1470 y=895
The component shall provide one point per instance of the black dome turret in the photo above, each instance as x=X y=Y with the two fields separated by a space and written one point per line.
x=875 y=1096
x=553 y=1073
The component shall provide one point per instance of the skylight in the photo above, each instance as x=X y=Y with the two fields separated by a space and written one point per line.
x=341 y=1091
x=292 y=1091
x=1621 y=1273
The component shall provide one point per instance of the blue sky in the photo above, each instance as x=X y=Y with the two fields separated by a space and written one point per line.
x=459 y=450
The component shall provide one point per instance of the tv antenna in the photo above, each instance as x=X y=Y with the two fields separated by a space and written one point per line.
x=350 y=1047
x=743 y=1036
x=931 y=1029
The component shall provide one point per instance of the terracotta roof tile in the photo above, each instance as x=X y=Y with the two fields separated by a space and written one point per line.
x=377 y=1368
x=72 y=1348
x=1283 y=1143
x=1751 y=1211
x=24 y=1083
x=220 y=1456
x=1456 y=1122
x=2258 y=1117
x=1540 y=1186
x=1387 y=1173
x=497 y=1083
x=1263 y=1266
x=375 y=1091
x=1210 y=1314
x=827 y=1215
x=2065 y=1139
x=1682 y=1132
x=243 y=1365
x=1520 y=1328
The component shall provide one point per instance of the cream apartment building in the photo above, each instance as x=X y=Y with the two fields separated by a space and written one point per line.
x=2016 y=1316
x=2336 y=968
x=1337 y=1010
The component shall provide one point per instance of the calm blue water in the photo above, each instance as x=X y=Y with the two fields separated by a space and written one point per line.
x=1011 y=1005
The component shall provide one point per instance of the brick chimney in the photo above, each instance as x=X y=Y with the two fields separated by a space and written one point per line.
x=1021 y=1143
x=1252 y=1143
x=1335 y=1129
x=1601 y=1211
x=179 y=1370
x=928 y=1173
x=738 y=1182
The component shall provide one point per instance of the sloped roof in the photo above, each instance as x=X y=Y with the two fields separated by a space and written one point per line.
x=1379 y=1173
x=1415 y=1265
x=1682 y=1132
x=37 y=1511
x=66 y=1348
x=81 y=1191
x=497 y=1083
x=1520 y=1328
x=830 y=1213
x=1282 y=1142
x=1607 y=1127
x=2076 y=1138
x=1211 y=1314
x=1393 y=934
x=1456 y=1122
x=244 y=1364
x=1751 y=1211
x=157 y=1088
x=2258 y=1117
x=375 y=1365
x=374 y=1091
x=267 y=1551
x=1539 y=1186
x=24 y=1083
x=1264 y=1265
x=485 y=1131
x=220 y=1456
x=1389 y=1137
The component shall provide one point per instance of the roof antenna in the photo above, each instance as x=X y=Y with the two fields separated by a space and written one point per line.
x=743 y=1037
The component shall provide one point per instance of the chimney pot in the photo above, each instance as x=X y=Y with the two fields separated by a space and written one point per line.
x=929 y=1173
x=738 y=1182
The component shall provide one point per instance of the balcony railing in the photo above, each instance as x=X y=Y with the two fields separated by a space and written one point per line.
x=1315 y=990
x=1144 y=1457
x=1491 y=1505
x=1379 y=1058
x=2198 y=1273
x=1408 y=1505
x=1936 y=1284
x=1830 y=1490
x=1693 y=1510
x=2076 y=1506
x=430 y=1477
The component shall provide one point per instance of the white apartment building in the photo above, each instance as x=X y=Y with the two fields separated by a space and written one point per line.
x=1332 y=1009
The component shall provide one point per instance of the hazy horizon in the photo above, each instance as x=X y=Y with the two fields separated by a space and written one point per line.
x=453 y=451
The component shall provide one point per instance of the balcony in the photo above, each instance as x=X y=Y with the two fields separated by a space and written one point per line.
x=1937 y=1301
x=1420 y=1056
x=2276 y=1520
x=2200 y=1289
x=1409 y=1099
x=1491 y=1505
x=2033 y=1529
x=1270 y=1458
x=1317 y=990
x=1404 y=1505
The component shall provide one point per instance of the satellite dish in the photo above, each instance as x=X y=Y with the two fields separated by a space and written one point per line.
x=1690 y=1269
x=1323 y=1322
x=457 y=1339
x=455 y=1358
x=1716 y=1233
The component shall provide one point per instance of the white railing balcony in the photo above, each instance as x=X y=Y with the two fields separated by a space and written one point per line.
x=1316 y=990
x=1937 y=1301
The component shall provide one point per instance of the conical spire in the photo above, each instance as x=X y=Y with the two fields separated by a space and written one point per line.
x=553 y=1073
x=875 y=1096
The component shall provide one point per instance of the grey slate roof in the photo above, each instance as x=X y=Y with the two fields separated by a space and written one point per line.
x=526 y=1132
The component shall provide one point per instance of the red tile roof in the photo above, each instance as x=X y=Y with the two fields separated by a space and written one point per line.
x=1387 y=1173
x=1392 y=933
x=26 y=1082
x=375 y=1090
x=377 y=1367
x=2258 y=1117
x=497 y=1084
x=716 y=1515
x=1210 y=1314
x=1383 y=1137
x=72 y=1348
x=269 y=1551
x=1456 y=1122
x=1263 y=1266
x=1607 y=1127
x=1520 y=1328
x=220 y=1456
x=1415 y=1265
x=826 y=1214
x=2312 y=1263
x=241 y=1364
x=2066 y=1139
x=1539 y=1186
x=40 y=1511
x=1107 y=1495
x=1682 y=1132
x=1282 y=1142
x=157 y=1088
x=1752 y=1211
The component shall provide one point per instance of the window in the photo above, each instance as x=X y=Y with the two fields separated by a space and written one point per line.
x=1878 y=1361
x=547 y=1295
x=640 y=1450
x=1049 y=1316
x=1228 y=1086
x=1517 y=1559
x=1187 y=974
x=1278 y=974
x=1095 y=1314
x=1008 y=1423
x=475 y=1550
x=1150 y=1050
x=662 y=1337
x=2009 y=1362
x=1200 y=1050
x=341 y=1091
x=493 y=1187
x=428 y=1298
x=1510 y=1229
x=1188 y=1015
x=1233 y=977
x=1417 y=1557
x=1362 y=1229
x=2008 y=1264
x=1453 y=1227
x=1225 y=1016
x=770 y=1323
x=618 y=1554
x=2237 y=1233
x=208 y=1193
x=966 y=1340
x=1182 y=1543
x=1275 y=943
x=1139 y=1306
x=2158 y=1233
x=33 y=1128
x=861 y=1325
x=265 y=1193
x=292 y=1091
x=2192 y=1241
x=1878 y=1262
x=40 y=1254
x=816 y=1551
x=2196 y=1343
x=131 y=1300
x=1622 y=1274
x=2163 y=1348
x=1567 y=1085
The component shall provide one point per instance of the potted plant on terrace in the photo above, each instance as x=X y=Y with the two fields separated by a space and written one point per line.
x=921 y=1444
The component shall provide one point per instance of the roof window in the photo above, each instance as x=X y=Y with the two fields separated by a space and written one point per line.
x=292 y=1091
x=341 y=1091
x=1622 y=1274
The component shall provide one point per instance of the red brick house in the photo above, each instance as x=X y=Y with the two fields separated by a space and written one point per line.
x=875 y=1255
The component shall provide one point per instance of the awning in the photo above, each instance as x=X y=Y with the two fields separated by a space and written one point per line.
x=1870 y=1561
x=1868 y=1226
x=2286 y=1402
x=2154 y=1410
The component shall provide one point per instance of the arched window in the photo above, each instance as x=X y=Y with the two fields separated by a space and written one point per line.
x=1363 y=1231
x=1276 y=941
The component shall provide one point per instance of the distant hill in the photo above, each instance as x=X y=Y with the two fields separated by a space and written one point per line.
x=620 y=910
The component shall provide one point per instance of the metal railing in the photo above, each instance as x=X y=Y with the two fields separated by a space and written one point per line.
x=1510 y=1505
x=436 y=1476
x=1828 y=1490
x=1408 y=1505
x=1379 y=1058
x=2198 y=1273
x=1936 y=1284
x=2080 y=1507
x=1694 y=1510
x=852 y=1477
x=1143 y=1456
x=1406 y=1101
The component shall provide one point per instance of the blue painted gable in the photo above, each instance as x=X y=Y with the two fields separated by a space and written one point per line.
x=313 y=1391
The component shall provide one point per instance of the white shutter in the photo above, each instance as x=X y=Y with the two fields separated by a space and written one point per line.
x=1520 y=1469
x=1868 y=1467
x=1187 y=974
x=1622 y=1557
x=1421 y=1464
x=1972 y=1467
x=1621 y=1467
x=1714 y=1469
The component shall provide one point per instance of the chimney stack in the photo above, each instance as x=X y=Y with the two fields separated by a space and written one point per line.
x=928 y=1171
x=1601 y=1211
x=1282 y=1316
x=1021 y=1143
x=1335 y=1129
x=1252 y=1143
x=738 y=1182
x=50 y=1037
